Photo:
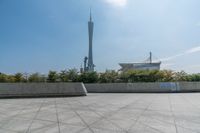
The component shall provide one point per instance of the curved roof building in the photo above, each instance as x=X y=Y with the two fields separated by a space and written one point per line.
x=150 y=65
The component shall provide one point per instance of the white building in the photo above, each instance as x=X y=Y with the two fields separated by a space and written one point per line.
x=150 y=65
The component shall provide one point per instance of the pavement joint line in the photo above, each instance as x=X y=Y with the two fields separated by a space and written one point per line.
x=103 y=117
x=172 y=113
x=113 y=112
x=129 y=105
x=190 y=102
x=161 y=120
x=57 y=116
x=190 y=120
x=141 y=115
x=151 y=127
x=49 y=125
x=35 y=116
x=14 y=116
x=81 y=118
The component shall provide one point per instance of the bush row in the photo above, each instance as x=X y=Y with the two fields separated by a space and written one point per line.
x=72 y=75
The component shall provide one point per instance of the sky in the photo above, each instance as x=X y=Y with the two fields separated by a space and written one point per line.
x=43 y=35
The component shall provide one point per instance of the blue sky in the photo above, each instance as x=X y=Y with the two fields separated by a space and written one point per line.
x=43 y=35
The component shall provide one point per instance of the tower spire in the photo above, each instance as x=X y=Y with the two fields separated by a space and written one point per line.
x=90 y=14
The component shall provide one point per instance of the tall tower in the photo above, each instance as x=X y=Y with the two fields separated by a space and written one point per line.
x=90 y=56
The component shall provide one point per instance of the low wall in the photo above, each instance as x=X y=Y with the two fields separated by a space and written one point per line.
x=13 y=90
x=9 y=90
x=189 y=86
x=157 y=87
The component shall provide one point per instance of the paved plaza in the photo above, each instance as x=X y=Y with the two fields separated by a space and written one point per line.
x=103 y=113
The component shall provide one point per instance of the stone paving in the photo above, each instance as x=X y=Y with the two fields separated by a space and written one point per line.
x=103 y=113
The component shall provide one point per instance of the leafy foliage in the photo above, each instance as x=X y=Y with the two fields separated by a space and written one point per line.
x=89 y=77
x=37 y=77
x=109 y=76
x=52 y=76
x=72 y=75
x=19 y=77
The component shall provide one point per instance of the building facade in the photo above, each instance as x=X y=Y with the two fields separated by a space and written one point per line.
x=150 y=65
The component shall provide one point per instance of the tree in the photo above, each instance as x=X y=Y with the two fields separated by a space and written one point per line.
x=3 y=78
x=52 y=76
x=108 y=77
x=180 y=76
x=193 y=77
x=123 y=77
x=19 y=77
x=88 y=77
x=154 y=76
x=72 y=75
x=63 y=75
x=166 y=76
x=37 y=77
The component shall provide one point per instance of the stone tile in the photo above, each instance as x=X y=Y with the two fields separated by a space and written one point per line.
x=38 y=125
x=17 y=125
x=106 y=125
x=103 y=113
x=6 y=131
x=72 y=121
x=70 y=128
x=140 y=128
x=45 y=115
x=158 y=125
x=184 y=130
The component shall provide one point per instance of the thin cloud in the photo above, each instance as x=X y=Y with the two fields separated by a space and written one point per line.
x=189 y=51
x=193 y=50
x=171 y=57
x=119 y=3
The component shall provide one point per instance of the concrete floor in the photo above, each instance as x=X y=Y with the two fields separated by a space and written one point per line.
x=103 y=113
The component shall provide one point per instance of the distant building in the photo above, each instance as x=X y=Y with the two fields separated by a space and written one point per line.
x=88 y=61
x=149 y=65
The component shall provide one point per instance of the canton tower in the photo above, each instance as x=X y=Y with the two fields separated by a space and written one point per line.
x=90 y=56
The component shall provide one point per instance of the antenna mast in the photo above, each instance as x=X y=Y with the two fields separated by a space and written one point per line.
x=150 y=58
